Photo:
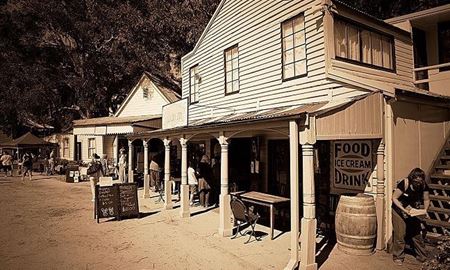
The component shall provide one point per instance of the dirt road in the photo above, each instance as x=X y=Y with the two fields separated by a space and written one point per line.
x=48 y=224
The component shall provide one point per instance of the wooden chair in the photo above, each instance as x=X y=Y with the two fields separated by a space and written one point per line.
x=243 y=216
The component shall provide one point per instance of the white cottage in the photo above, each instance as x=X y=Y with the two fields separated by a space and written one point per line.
x=308 y=100
x=140 y=111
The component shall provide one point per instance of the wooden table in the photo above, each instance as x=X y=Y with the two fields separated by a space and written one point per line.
x=263 y=199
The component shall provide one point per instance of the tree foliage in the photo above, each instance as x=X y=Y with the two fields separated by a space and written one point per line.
x=62 y=60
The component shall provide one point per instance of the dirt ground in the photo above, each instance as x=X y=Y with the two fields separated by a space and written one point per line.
x=48 y=224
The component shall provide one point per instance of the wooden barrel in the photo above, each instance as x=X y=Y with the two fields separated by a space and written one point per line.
x=356 y=224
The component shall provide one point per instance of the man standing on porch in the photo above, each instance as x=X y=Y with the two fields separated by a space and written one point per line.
x=122 y=165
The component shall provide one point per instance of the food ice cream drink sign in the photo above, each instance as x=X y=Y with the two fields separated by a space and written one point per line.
x=352 y=165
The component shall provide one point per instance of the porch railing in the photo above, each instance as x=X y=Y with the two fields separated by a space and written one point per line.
x=424 y=75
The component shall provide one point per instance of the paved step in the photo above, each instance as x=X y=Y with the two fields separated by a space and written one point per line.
x=443 y=166
x=439 y=210
x=439 y=198
x=437 y=223
x=445 y=157
x=437 y=186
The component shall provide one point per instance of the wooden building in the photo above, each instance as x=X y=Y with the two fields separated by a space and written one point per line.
x=141 y=110
x=280 y=91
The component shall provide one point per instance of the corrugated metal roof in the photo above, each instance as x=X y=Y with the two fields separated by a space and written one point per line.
x=250 y=117
x=114 y=120
x=169 y=90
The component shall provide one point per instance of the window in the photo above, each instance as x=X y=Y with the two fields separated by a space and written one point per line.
x=294 y=47
x=444 y=44
x=231 y=70
x=362 y=45
x=145 y=93
x=91 y=147
x=194 y=80
x=66 y=147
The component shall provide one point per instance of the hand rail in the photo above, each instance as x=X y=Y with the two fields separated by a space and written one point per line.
x=432 y=67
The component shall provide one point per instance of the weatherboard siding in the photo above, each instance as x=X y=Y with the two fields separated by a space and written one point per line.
x=257 y=31
x=138 y=105
x=401 y=77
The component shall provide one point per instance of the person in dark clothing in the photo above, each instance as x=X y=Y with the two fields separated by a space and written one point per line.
x=409 y=195
x=27 y=166
x=204 y=180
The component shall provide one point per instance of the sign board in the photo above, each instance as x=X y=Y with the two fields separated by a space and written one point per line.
x=352 y=166
x=128 y=200
x=175 y=114
x=117 y=200
x=106 y=202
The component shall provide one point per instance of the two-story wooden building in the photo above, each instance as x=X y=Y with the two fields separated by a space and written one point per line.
x=285 y=93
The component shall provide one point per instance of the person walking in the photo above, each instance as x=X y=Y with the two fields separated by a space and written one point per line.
x=409 y=196
x=95 y=172
x=204 y=180
x=27 y=166
x=154 y=174
x=51 y=162
x=122 y=165
x=7 y=161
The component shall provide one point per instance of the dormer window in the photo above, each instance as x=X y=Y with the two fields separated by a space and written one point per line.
x=294 y=47
x=359 y=44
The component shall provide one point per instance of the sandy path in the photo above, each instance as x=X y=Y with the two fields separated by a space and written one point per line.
x=49 y=224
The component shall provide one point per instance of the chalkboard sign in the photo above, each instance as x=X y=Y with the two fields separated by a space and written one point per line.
x=118 y=200
x=128 y=200
x=107 y=202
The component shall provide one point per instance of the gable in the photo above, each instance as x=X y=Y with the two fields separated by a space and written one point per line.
x=135 y=104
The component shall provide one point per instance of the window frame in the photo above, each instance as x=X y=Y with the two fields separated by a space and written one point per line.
x=190 y=85
x=92 y=148
x=283 y=79
x=440 y=45
x=360 y=28
x=145 y=93
x=225 y=70
x=66 y=147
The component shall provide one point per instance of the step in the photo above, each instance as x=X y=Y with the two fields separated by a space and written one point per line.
x=445 y=157
x=439 y=198
x=437 y=223
x=440 y=176
x=443 y=166
x=437 y=186
x=439 y=210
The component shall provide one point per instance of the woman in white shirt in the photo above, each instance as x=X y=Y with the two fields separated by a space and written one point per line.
x=192 y=181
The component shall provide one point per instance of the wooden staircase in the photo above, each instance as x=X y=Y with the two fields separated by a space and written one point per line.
x=438 y=216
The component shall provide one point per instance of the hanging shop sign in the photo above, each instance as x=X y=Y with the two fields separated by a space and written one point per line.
x=352 y=166
x=175 y=114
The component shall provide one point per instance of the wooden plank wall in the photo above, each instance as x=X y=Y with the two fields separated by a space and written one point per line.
x=256 y=27
x=362 y=119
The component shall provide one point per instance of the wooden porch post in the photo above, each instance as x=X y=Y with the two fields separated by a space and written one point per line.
x=309 y=222
x=184 y=209
x=294 y=187
x=380 y=197
x=146 y=178
x=225 y=225
x=130 y=162
x=167 y=183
